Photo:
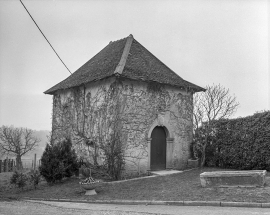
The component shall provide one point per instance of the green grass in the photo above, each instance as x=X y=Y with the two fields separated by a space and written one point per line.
x=177 y=187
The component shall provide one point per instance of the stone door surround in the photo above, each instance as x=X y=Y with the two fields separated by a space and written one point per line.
x=160 y=121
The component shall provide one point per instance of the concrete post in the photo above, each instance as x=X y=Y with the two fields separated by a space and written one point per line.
x=169 y=153
x=149 y=154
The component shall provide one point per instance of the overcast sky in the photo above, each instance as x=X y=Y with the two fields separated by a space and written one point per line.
x=203 y=41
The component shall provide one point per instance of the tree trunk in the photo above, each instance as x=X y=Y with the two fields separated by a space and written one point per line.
x=95 y=155
x=204 y=148
x=19 y=162
x=203 y=155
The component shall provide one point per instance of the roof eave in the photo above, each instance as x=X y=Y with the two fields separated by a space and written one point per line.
x=195 y=88
x=49 y=92
x=199 y=89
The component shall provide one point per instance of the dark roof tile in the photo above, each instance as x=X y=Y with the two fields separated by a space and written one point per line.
x=139 y=64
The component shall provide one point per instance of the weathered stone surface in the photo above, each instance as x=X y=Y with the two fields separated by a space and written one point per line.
x=201 y=203
x=241 y=204
x=90 y=192
x=251 y=178
x=149 y=105
x=87 y=113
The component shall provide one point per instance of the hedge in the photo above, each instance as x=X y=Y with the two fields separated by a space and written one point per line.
x=242 y=143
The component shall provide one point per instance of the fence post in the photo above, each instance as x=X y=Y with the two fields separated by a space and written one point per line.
x=11 y=165
x=35 y=161
x=8 y=165
x=5 y=165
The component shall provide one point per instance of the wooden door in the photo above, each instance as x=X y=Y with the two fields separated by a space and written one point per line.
x=158 y=149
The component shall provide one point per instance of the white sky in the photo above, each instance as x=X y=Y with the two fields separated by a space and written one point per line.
x=204 y=41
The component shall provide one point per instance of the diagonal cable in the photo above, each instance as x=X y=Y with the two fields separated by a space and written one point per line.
x=44 y=36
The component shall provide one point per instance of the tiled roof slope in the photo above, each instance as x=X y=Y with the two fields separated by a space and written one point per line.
x=127 y=58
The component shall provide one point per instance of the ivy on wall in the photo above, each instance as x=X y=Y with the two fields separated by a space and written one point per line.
x=119 y=115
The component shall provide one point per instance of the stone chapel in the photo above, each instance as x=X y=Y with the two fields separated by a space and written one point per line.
x=125 y=95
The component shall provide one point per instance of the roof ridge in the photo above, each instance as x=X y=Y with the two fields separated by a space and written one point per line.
x=120 y=67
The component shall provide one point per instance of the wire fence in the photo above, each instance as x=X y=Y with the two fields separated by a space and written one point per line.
x=9 y=164
x=30 y=163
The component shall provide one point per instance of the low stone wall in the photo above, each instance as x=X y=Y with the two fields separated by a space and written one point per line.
x=251 y=178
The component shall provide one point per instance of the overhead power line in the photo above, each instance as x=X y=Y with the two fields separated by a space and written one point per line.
x=44 y=36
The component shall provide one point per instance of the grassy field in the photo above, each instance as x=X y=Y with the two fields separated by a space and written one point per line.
x=4 y=180
x=177 y=187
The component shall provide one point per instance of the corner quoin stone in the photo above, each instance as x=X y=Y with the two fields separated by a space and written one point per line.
x=251 y=178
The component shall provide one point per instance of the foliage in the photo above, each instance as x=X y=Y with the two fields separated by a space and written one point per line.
x=114 y=158
x=214 y=104
x=17 y=141
x=59 y=160
x=242 y=143
x=85 y=171
x=19 y=179
x=35 y=178
x=153 y=187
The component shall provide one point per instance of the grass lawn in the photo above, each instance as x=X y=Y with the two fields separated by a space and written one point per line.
x=176 y=187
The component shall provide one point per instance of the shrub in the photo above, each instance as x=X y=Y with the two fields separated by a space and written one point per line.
x=58 y=160
x=242 y=143
x=114 y=156
x=19 y=179
x=35 y=178
x=68 y=158
x=85 y=171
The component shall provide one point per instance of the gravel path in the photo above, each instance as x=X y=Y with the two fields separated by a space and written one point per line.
x=30 y=208
x=68 y=208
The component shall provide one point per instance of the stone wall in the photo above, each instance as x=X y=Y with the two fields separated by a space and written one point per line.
x=83 y=114
x=89 y=114
x=148 y=105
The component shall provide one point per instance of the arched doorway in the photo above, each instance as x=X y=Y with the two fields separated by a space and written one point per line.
x=158 y=149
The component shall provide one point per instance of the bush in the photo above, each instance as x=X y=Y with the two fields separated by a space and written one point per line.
x=58 y=160
x=85 y=171
x=19 y=179
x=114 y=156
x=35 y=178
x=242 y=143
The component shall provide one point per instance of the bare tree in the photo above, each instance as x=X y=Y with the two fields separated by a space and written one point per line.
x=17 y=142
x=214 y=104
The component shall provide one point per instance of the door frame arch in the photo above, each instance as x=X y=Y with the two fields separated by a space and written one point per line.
x=158 y=149
x=169 y=142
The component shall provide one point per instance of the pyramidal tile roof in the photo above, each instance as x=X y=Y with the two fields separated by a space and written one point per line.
x=126 y=58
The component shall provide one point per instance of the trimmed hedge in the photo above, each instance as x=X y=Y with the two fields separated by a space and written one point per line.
x=242 y=143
